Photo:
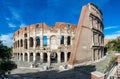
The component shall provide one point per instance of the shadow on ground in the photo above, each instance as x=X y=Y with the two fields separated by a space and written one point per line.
x=79 y=72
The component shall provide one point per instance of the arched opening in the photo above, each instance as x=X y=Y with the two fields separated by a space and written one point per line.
x=68 y=40
x=61 y=39
x=31 y=42
x=31 y=57
x=68 y=55
x=37 y=41
x=37 y=60
x=53 y=57
x=25 y=35
x=25 y=43
x=94 y=57
x=45 y=41
x=62 y=56
x=21 y=43
x=21 y=57
x=53 y=42
x=26 y=57
x=18 y=56
x=18 y=43
x=44 y=57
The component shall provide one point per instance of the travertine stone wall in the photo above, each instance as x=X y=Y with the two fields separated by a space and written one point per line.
x=89 y=38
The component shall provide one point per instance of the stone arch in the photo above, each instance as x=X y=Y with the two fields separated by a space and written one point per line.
x=68 y=40
x=37 y=57
x=61 y=39
x=53 y=57
x=45 y=57
x=31 y=41
x=21 y=43
x=45 y=42
x=37 y=41
x=25 y=35
x=31 y=57
x=26 y=57
x=25 y=44
x=53 y=42
x=21 y=57
x=68 y=55
x=62 y=57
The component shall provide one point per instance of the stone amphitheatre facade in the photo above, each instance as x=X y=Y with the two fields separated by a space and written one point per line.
x=63 y=43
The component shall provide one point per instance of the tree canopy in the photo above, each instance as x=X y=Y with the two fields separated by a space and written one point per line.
x=5 y=59
x=114 y=45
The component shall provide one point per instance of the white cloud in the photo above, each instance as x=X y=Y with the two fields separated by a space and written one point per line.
x=112 y=36
x=22 y=25
x=7 y=39
x=110 y=27
x=11 y=25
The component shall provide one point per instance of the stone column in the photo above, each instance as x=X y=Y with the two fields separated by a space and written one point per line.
x=58 y=39
x=28 y=42
x=41 y=57
x=34 y=57
x=65 y=40
x=48 y=58
x=34 y=43
x=59 y=57
x=71 y=41
x=23 y=57
x=92 y=54
x=28 y=57
x=41 y=42
x=48 y=41
x=65 y=56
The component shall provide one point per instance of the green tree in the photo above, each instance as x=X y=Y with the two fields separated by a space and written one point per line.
x=6 y=64
x=114 y=45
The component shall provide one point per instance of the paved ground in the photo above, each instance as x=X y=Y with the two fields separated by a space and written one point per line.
x=37 y=74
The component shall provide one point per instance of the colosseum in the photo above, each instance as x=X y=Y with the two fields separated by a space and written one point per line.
x=63 y=43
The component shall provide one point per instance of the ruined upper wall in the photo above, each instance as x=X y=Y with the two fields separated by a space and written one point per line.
x=95 y=11
x=43 y=26
x=90 y=23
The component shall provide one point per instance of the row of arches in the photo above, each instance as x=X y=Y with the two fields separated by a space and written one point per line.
x=43 y=58
x=97 y=54
x=36 y=42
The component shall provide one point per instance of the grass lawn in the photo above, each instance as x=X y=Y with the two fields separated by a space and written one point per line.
x=103 y=64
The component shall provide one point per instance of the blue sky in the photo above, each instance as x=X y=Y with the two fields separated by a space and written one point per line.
x=15 y=14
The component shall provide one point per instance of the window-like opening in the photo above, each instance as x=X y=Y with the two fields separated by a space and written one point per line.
x=37 y=41
x=62 y=56
x=37 y=60
x=45 y=40
x=62 y=40
x=53 y=57
x=68 y=40
x=68 y=55
x=25 y=43
x=44 y=57
x=18 y=32
x=25 y=35
x=25 y=28
x=31 y=42
x=21 y=43
x=26 y=57
x=69 y=26
x=21 y=57
x=37 y=26
x=18 y=43
x=31 y=57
